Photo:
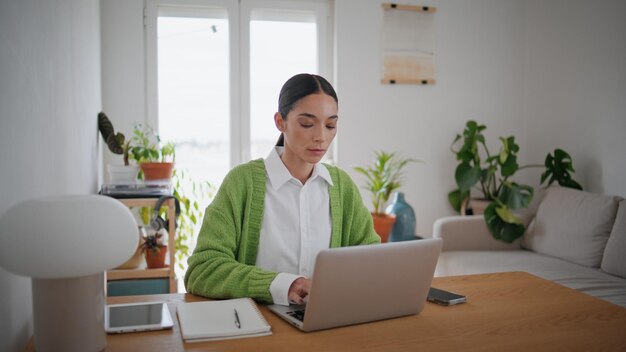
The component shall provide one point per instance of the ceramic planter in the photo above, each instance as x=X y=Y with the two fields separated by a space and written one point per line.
x=404 y=227
x=123 y=174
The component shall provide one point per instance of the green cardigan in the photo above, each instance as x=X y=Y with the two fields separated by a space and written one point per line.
x=223 y=263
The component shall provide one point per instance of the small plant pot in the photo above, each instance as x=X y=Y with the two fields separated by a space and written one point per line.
x=123 y=174
x=156 y=260
x=383 y=223
x=157 y=171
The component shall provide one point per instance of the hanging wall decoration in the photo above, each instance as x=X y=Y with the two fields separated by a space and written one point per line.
x=408 y=44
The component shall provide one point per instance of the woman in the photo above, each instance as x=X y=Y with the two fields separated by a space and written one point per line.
x=270 y=218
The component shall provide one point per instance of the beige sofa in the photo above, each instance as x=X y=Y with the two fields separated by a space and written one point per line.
x=574 y=238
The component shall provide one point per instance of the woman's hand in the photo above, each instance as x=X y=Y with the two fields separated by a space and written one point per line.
x=299 y=290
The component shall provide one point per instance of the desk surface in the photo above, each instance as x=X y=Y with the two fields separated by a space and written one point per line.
x=505 y=312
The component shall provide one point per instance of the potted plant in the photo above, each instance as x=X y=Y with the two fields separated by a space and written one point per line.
x=117 y=144
x=190 y=194
x=155 y=160
x=383 y=177
x=492 y=174
x=154 y=250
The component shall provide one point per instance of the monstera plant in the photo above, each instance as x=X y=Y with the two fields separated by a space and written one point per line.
x=491 y=175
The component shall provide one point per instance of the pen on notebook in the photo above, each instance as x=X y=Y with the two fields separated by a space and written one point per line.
x=237 y=322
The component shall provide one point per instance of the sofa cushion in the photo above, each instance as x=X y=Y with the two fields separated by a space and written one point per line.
x=572 y=225
x=614 y=260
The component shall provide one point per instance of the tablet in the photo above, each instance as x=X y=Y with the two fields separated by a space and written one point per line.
x=142 y=316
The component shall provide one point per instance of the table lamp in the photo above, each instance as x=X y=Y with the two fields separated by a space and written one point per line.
x=65 y=244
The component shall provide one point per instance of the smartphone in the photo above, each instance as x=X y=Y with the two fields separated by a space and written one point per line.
x=445 y=298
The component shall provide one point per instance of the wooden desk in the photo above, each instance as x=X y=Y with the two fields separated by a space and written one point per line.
x=505 y=312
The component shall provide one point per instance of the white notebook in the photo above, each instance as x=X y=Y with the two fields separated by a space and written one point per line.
x=216 y=320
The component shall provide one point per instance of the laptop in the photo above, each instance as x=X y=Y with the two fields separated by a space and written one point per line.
x=352 y=285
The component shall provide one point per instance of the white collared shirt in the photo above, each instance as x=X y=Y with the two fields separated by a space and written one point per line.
x=296 y=224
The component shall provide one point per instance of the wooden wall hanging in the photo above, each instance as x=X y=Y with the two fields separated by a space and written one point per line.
x=408 y=44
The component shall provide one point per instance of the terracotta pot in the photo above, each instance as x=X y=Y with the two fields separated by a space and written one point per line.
x=383 y=223
x=157 y=171
x=156 y=260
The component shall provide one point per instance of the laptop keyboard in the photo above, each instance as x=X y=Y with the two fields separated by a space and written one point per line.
x=298 y=314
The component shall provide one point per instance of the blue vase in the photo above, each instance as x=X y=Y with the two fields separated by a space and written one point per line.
x=404 y=228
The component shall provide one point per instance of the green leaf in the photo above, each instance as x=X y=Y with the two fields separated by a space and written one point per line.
x=515 y=196
x=466 y=176
x=507 y=216
x=558 y=168
x=113 y=143
x=499 y=229
x=513 y=147
x=545 y=175
x=510 y=167
x=465 y=155
x=456 y=199
x=504 y=151
x=571 y=184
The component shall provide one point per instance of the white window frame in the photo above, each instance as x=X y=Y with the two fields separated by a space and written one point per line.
x=240 y=13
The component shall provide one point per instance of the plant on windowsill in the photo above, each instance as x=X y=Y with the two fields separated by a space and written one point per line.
x=492 y=173
x=383 y=177
x=154 y=250
x=155 y=159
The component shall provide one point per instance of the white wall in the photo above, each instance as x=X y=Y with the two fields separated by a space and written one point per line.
x=549 y=72
x=575 y=87
x=478 y=76
x=49 y=100
x=123 y=67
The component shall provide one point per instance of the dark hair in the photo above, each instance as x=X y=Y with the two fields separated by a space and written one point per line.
x=298 y=87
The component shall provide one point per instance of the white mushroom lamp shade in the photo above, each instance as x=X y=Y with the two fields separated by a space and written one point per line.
x=65 y=244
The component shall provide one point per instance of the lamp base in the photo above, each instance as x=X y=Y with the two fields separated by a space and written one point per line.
x=69 y=313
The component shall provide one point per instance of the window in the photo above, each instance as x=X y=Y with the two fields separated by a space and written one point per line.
x=217 y=70
x=281 y=45
x=193 y=90
x=214 y=72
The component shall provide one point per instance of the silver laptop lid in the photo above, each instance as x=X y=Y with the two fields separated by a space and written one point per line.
x=359 y=284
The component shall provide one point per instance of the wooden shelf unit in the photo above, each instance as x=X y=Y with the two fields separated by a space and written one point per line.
x=142 y=272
